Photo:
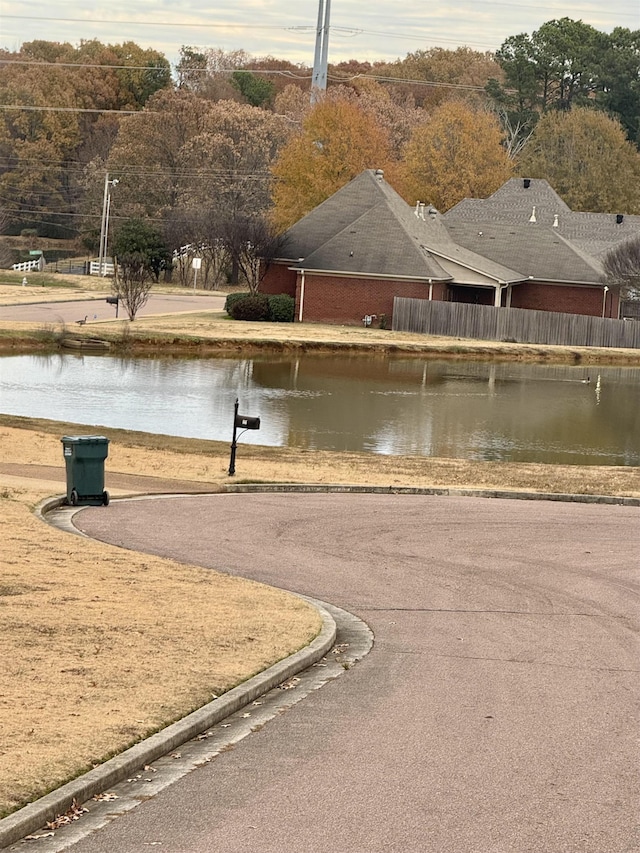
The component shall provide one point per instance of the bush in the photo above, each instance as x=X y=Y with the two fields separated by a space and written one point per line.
x=251 y=308
x=231 y=300
x=281 y=308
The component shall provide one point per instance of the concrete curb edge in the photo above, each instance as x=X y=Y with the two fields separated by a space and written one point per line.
x=240 y=488
x=35 y=815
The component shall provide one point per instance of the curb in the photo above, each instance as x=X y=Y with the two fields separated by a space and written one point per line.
x=35 y=815
x=418 y=490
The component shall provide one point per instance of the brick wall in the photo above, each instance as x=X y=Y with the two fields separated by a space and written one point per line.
x=567 y=299
x=332 y=299
x=279 y=279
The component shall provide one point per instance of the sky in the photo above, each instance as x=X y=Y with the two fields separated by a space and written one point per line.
x=379 y=30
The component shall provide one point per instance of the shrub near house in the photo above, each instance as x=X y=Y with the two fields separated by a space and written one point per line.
x=277 y=308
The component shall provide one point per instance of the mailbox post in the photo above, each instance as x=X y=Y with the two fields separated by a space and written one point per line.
x=114 y=300
x=243 y=422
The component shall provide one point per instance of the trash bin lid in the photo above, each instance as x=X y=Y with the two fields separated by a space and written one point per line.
x=84 y=439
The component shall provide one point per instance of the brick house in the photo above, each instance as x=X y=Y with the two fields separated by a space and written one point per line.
x=522 y=247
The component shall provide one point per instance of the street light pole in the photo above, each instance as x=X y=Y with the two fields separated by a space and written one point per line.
x=106 y=206
x=604 y=299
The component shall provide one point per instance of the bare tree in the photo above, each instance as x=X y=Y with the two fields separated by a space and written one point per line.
x=196 y=234
x=252 y=244
x=132 y=283
x=140 y=255
x=622 y=268
x=516 y=135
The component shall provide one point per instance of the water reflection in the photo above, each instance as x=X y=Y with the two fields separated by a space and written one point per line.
x=378 y=404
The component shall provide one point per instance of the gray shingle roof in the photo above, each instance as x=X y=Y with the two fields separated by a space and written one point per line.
x=537 y=251
x=513 y=203
x=367 y=228
x=591 y=233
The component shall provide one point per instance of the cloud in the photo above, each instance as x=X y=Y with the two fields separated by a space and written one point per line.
x=385 y=30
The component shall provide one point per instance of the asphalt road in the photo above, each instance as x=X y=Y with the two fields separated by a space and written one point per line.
x=98 y=309
x=498 y=710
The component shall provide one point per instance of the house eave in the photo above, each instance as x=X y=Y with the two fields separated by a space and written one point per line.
x=565 y=282
x=384 y=276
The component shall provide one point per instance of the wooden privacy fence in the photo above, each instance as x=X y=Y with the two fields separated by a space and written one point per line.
x=515 y=325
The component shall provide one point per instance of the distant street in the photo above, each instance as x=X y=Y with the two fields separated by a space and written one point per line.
x=96 y=310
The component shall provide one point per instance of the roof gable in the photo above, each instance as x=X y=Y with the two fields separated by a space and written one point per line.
x=513 y=202
x=332 y=216
x=367 y=228
x=376 y=243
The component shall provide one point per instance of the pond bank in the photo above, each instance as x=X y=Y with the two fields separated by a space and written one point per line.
x=202 y=335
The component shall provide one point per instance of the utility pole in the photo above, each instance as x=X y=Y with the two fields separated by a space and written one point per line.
x=320 y=59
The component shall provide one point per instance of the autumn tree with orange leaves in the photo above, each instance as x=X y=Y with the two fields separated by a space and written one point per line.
x=457 y=154
x=338 y=140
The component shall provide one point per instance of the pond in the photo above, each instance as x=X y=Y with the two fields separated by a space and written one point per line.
x=470 y=410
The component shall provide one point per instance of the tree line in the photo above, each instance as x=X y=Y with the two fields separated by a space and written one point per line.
x=229 y=150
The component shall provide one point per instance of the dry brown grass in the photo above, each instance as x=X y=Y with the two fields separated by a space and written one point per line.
x=212 y=331
x=101 y=646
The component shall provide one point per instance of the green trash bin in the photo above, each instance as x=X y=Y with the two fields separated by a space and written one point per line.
x=84 y=456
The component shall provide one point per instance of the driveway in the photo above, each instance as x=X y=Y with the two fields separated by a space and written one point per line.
x=97 y=309
x=498 y=710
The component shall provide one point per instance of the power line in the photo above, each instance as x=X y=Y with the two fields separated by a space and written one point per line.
x=237 y=25
x=43 y=63
x=334 y=77
x=147 y=23
x=281 y=72
x=384 y=79
x=31 y=108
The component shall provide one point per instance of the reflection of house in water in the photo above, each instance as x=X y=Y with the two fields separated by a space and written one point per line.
x=345 y=403
x=450 y=409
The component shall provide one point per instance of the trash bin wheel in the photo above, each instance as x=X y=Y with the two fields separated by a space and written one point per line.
x=73 y=498
x=105 y=498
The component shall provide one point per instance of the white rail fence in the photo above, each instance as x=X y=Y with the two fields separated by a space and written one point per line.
x=29 y=266
x=106 y=268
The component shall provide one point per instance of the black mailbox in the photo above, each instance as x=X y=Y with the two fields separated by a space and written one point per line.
x=245 y=422
x=242 y=422
x=114 y=300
